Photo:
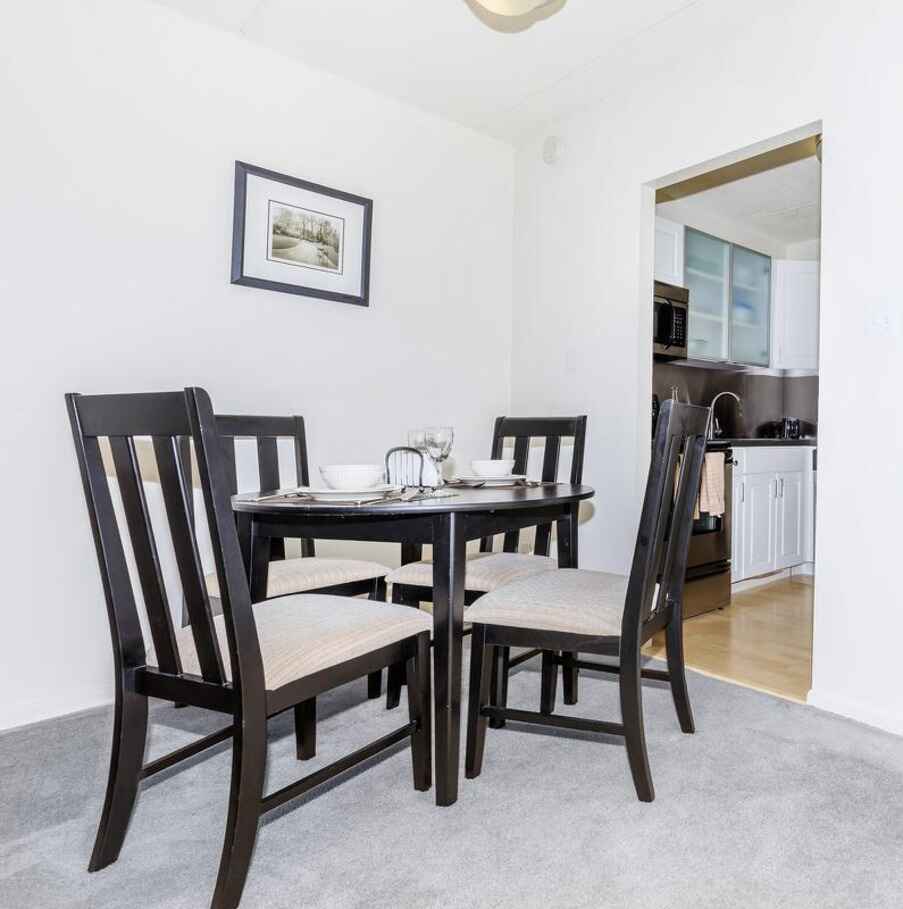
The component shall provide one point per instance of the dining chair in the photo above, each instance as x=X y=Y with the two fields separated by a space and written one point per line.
x=249 y=663
x=310 y=573
x=576 y=611
x=487 y=570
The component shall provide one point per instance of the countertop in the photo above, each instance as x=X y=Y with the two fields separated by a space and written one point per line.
x=755 y=443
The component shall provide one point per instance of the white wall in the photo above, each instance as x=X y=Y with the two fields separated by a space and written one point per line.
x=805 y=250
x=121 y=123
x=712 y=80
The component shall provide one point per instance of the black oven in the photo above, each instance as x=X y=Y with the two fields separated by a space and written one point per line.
x=670 y=321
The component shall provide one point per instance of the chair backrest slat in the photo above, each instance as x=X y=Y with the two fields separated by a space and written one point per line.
x=268 y=462
x=266 y=432
x=177 y=498
x=660 y=556
x=551 y=431
x=550 y=459
x=144 y=548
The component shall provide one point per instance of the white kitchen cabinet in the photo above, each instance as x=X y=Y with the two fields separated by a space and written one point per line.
x=669 y=252
x=794 y=323
x=789 y=523
x=758 y=524
x=737 y=535
x=773 y=510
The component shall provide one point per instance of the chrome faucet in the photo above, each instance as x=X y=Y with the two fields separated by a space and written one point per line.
x=713 y=420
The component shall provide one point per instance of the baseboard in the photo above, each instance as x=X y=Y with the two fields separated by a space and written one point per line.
x=888 y=719
x=761 y=580
x=41 y=714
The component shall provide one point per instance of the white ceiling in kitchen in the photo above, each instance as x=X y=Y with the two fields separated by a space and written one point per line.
x=781 y=203
x=437 y=55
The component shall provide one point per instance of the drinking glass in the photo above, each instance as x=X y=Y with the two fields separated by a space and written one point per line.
x=438 y=441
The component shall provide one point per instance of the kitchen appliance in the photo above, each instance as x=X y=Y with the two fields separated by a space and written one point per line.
x=708 y=578
x=670 y=323
x=788 y=428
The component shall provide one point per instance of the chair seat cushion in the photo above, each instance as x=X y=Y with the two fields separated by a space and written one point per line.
x=485 y=570
x=313 y=573
x=571 y=600
x=305 y=633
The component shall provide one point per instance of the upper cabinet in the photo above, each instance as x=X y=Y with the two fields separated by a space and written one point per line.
x=795 y=315
x=669 y=252
x=745 y=307
x=730 y=301
x=750 y=307
x=707 y=266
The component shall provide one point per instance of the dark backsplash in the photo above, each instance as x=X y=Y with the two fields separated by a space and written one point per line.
x=765 y=398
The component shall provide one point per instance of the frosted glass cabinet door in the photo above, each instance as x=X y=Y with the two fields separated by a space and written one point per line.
x=707 y=274
x=750 y=307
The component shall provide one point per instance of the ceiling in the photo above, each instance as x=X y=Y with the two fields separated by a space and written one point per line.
x=437 y=55
x=782 y=203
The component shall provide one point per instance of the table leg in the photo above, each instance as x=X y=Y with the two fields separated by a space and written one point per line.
x=448 y=636
x=258 y=574
x=567 y=558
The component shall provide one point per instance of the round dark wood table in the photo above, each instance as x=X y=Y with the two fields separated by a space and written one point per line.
x=445 y=523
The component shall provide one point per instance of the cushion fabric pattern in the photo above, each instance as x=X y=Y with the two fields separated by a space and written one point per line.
x=305 y=633
x=299 y=575
x=571 y=600
x=485 y=570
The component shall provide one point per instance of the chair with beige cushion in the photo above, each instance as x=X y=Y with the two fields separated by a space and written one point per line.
x=309 y=573
x=572 y=611
x=487 y=570
x=250 y=663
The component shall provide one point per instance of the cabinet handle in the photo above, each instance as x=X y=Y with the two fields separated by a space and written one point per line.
x=743 y=492
x=782 y=487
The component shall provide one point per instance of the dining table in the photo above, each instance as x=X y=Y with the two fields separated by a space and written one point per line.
x=447 y=523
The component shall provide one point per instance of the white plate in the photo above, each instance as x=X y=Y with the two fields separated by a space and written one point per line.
x=491 y=481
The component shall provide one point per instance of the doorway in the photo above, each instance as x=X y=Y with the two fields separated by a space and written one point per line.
x=742 y=242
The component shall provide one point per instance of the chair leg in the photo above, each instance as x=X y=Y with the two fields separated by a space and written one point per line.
x=306 y=729
x=394 y=681
x=375 y=679
x=631 y=690
x=549 y=681
x=569 y=678
x=674 y=647
x=246 y=790
x=126 y=760
x=498 y=687
x=481 y=663
x=420 y=710
x=396 y=675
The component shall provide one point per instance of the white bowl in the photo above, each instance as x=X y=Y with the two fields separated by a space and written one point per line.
x=352 y=476
x=493 y=470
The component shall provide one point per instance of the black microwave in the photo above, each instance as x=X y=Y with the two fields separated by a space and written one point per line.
x=670 y=321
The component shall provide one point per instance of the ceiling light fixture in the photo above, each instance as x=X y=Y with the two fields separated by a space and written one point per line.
x=513 y=15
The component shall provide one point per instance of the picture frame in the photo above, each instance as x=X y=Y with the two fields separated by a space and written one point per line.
x=298 y=237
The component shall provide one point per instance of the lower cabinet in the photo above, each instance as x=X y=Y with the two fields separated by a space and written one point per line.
x=773 y=510
x=789 y=523
x=759 y=520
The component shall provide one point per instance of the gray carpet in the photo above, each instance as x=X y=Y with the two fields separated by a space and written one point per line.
x=769 y=804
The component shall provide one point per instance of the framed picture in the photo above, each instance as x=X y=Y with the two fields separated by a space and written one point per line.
x=299 y=237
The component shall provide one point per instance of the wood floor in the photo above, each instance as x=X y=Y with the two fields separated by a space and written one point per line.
x=762 y=640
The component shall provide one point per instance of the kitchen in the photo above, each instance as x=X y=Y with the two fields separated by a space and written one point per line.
x=736 y=327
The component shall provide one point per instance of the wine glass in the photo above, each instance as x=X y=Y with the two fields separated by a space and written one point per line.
x=439 y=440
